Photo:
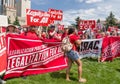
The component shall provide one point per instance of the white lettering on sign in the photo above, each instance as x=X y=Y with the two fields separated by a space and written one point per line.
x=37 y=13
x=43 y=56
x=53 y=15
x=2 y=41
x=59 y=17
x=32 y=19
x=53 y=51
x=34 y=13
x=44 y=20
x=58 y=12
x=27 y=50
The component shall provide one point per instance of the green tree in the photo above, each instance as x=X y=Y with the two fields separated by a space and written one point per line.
x=74 y=25
x=16 y=22
x=98 y=21
x=77 y=20
x=111 y=20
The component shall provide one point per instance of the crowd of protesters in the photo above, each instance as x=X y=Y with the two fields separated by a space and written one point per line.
x=53 y=32
x=35 y=32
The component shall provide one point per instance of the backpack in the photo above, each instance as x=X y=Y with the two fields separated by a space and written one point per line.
x=66 y=44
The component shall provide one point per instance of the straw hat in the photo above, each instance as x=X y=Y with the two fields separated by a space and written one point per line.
x=11 y=26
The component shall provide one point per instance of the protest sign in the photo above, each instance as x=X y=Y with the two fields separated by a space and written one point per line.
x=56 y=14
x=85 y=24
x=4 y=21
x=90 y=48
x=37 y=17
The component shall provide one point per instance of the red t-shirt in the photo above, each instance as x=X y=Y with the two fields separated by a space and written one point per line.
x=73 y=38
x=59 y=36
x=30 y=35
x=50 y=31
x=80 y=33
x=44 y=35
x=98 y=36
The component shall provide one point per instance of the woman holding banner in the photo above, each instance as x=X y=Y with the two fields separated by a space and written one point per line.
x=73 y=55
x=10 y=29
x=31 y=32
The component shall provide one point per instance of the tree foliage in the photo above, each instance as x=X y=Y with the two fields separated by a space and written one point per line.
x=111 y=20
x=16 y=22
x=98 y=21
x=77 y=22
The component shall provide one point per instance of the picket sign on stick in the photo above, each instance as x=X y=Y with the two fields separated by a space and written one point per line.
x=39 y=31
x=47 y=32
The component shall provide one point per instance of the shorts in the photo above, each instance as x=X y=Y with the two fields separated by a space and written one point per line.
x=73 y=55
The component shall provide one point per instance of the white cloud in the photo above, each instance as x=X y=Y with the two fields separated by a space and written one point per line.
x=91 y=13
x=93 y=1
x=89 y=1
x=98 y=11
x=110 y=6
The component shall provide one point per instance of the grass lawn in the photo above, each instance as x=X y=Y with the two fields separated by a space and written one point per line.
x=94 y=72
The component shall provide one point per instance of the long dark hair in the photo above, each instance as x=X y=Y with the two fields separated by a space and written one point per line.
x=71 y=30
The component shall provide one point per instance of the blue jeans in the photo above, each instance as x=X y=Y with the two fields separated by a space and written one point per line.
x=73 y=55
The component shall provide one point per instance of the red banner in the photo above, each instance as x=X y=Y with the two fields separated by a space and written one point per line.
x=3 y=29
x=85 y=24
x=56 y=14
x=110 y=48
x=28 y=56
x=3 y=58
x=112 y=28
x=37 y=18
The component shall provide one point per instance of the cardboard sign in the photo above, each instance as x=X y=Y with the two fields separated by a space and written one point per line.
x=37 y=18
x=112 y=28
x=4 y=20
x=85 y=24
x=56 y=14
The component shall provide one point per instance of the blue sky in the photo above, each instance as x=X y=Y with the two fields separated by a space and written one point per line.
x=85 y=9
